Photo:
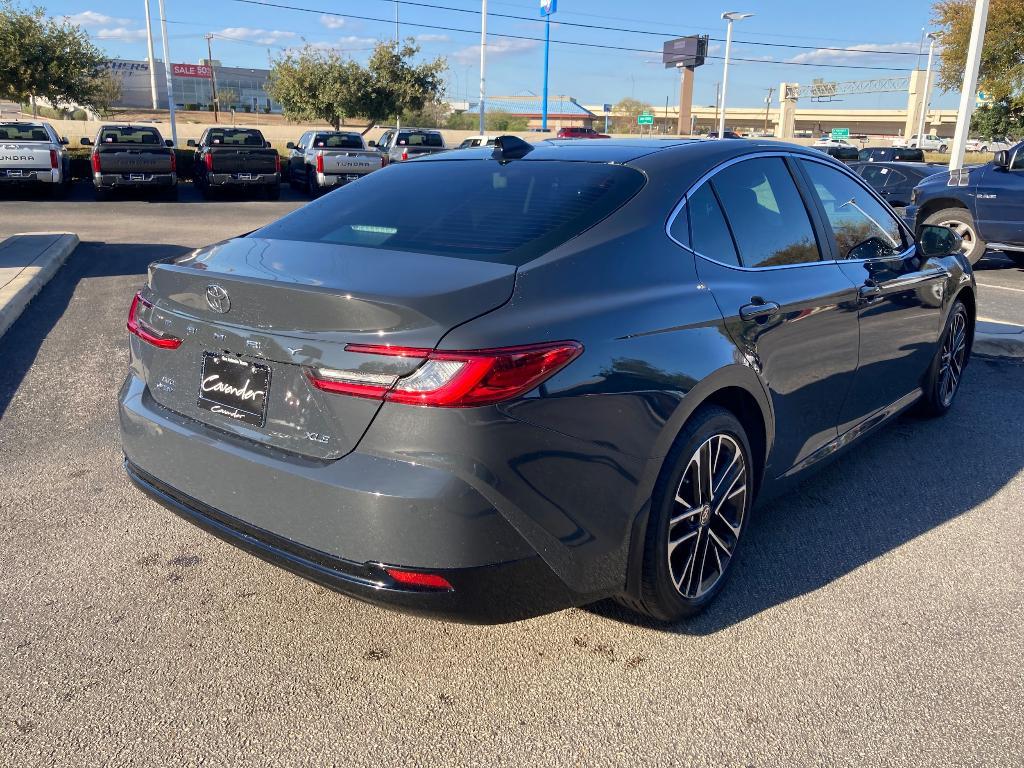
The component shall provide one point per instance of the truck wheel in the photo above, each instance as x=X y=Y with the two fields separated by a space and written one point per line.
x=272 y=191
x=943 y=147
x=312 y=188
x=170 y=194
x=102 y=195
x=983 y=149
x=961 y=222
x=205 y=191
x=1017 y=257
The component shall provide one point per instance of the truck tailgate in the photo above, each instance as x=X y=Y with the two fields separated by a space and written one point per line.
x=338 y=162
x=25 y=156
x=123 y=160
x=244 y=160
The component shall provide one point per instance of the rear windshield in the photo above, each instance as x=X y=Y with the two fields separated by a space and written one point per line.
x=478 y=210
x=233 y=137
x=338 y=141
x=22 y=133
x=130 y=136
x=420 y=139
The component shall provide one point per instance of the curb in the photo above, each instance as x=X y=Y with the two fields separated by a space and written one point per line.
x=1001 y=340
x=27 y=262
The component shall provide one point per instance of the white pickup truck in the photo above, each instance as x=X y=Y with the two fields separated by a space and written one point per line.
x=990 y=145
x=321 y=160
x=930 y=141
x=32 y=153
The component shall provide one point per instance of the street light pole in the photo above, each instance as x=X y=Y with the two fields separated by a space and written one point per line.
x=547 y=50
x=483 y=62
x=213 y=77
x=168 y=72
x=729 y=16
x=970 y=85
x=926 y=96
x=398 y=44
x=152 y=62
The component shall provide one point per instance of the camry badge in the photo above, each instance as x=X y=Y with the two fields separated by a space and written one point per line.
x=218 y=299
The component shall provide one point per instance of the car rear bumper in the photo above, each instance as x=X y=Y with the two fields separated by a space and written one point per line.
x=340 y=522
x=328 y=180
x=120 y=180
x=29 y=176
x=234 y=180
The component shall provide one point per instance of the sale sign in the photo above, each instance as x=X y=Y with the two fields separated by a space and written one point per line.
x=191 y=70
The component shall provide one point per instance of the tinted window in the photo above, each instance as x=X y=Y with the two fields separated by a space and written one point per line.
x=863 y=228
x=235 y=137
x=896 y=178
x=130 y=136
x=338 y=141
x=875 y=175
x=709 y=234
x=765 y=213
x=420 y=139
x=478 y=210
x=23 y=133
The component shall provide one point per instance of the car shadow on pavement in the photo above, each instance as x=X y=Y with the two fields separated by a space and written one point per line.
x=913 y=475
x=20 y=344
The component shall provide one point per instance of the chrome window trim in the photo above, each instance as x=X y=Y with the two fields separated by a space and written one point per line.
x=783 y=154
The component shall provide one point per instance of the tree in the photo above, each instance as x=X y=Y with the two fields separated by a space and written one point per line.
x=312 y=84
x=434 y=114
x=46 y=58
x=227 y=98
x=1002 y=66
x=626 y=112
x=994 y=121
x=108 y=90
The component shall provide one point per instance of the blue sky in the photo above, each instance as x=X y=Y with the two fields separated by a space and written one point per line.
x=247 y=34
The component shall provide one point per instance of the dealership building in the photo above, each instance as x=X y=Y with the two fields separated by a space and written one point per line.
x=238 y=87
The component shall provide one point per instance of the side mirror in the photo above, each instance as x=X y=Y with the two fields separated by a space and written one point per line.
x=168 y=143
x=939 y=241
x=372 y=143
x=267 y=144
x=64 y=141
x=290 y=145
x=1002 y=159
x=190 y=143
x=86 y=141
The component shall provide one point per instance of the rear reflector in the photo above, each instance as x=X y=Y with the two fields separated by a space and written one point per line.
x=146 y=332
x=452 y=379
x=418 y=579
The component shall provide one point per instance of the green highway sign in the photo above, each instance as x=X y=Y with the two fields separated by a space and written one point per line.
x=840 y=133
x=645 y=119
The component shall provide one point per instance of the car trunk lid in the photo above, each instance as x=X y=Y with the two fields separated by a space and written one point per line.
x=290 y=307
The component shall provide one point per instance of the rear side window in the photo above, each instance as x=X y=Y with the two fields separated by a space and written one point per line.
x=130 y=136
x=338 y=141
x=480 y=210
x=875 y=175
x=420 y=139
x=709 y=234
x=862 y=226
x=766 y=214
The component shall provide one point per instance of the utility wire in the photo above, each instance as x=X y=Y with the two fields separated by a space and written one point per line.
x=282 y=6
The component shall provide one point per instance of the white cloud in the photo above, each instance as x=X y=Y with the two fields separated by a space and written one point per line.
x=94 y=19
x=262 y=36
x=432 y=38
x=332 y=22
x=499 y=47
x=864 y=53
x=122 y=33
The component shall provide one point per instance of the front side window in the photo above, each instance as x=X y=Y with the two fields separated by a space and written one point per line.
x=862 y=226
x=766 y=214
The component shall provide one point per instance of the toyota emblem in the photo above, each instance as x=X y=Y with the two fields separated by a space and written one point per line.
x=218 y=299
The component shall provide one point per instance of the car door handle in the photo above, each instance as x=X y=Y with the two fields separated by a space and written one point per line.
x=869 y=291
x=758 y=311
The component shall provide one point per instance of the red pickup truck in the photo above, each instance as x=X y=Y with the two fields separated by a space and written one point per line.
x=579 y=132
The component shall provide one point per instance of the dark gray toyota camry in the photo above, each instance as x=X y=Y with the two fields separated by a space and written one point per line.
x=489 y=384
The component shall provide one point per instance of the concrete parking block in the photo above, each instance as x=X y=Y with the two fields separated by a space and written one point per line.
x=27 y=262
x=999 y=340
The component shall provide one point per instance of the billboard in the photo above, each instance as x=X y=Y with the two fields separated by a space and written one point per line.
x=685 y=51
x=191 y=70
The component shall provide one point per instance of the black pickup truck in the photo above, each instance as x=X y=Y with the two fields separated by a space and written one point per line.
x=130 y=156
x=236 y=157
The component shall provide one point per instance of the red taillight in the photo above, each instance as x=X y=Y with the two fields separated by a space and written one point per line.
x=53 y=158
x=277 y=163
x=145 y=332
x=319 y=162
x=405 y=154
x=96 y=162
x=208 y=161
x=174 y=161
x=452 y=379
x=419 y=579
x=383 y=160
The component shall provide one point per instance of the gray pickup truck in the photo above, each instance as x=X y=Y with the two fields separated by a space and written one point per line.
x=33 y=154
x=410 y=143
x=236 y=158
x=132 y=157
x=320 y=160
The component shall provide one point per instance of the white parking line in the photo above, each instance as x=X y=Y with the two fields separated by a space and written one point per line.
x=1001 y=287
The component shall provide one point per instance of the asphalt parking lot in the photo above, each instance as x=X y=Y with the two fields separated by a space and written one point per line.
x=874 y=617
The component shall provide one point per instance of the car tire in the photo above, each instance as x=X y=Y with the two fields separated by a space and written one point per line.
x=943 y=148
x=272 y=192
x=1017 y=257
x=102 y=195
x=961 y=222
x=946 y=371
x=688 y=524
x=205 y=191
x=983 y=149
x=312 y=188
x=170 y=194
